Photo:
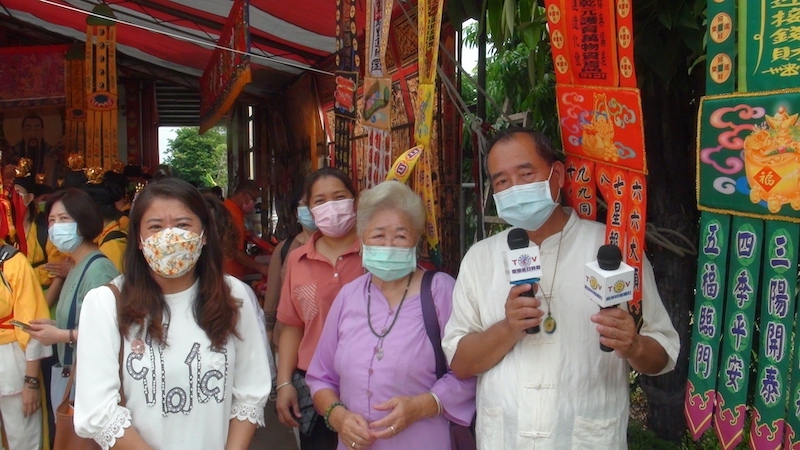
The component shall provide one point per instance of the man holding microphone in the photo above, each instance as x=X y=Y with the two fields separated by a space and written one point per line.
x=552 y=387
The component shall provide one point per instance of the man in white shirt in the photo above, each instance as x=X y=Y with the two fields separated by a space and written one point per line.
x=556 y=388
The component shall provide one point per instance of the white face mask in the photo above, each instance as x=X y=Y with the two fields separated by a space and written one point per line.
x=172 y=252
x=64 y=235
x=527 y=206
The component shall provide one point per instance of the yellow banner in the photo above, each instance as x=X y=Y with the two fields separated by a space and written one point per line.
x=429 y=25
x=424 y=117
x=403 y=165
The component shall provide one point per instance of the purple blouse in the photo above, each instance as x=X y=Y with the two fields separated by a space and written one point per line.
x=346 y=361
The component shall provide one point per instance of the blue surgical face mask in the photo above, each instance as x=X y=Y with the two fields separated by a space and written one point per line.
x=305 y=218
x=389 y=263
x=527 y=206
x=64 y=235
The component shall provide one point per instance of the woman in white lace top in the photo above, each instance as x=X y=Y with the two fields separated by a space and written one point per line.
x=194 y=368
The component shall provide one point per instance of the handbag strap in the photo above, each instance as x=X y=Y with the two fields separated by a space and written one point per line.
x=432 y=322
x=71 y=380
x=118 y=298
x=73 y=309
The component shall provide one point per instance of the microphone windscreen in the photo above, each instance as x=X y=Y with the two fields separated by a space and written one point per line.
x=518 y=238
x=609 y=257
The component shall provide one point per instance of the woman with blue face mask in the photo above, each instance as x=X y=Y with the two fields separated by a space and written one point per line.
x=374 y=373
x=74 y=221
x=277 y=264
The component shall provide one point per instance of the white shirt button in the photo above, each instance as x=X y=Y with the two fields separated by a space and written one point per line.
x=336 y=275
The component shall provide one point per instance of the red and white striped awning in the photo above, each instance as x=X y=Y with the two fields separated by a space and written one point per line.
x=287 y=37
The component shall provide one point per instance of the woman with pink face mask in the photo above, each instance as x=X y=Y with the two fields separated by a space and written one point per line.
x=315 y=274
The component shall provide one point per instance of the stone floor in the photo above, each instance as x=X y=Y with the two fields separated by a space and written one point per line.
x=274 y=436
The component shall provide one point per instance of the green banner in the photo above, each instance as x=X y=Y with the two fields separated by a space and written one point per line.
x=721 y=47
x=746 y=244
x=779 y=276
x=769 y=50
x=708 y=313
x=748 y=154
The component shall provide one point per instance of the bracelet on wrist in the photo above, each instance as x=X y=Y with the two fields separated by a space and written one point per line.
x=282 y=385
x=438 y=403
x=328 y=414
x=31 y=382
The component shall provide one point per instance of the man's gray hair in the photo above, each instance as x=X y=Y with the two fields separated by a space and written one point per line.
x=390 y=195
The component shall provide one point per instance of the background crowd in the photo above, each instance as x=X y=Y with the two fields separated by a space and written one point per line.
x=144 y=288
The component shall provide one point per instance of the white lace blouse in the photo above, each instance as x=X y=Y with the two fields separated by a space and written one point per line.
x=179 y=395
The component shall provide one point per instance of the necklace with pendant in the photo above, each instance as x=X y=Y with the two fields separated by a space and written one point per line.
x=549 y=322
x=385 y=331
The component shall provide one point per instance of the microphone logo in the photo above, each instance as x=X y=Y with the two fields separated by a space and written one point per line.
x=525 y=260
x=619 y=286
x=594 y=283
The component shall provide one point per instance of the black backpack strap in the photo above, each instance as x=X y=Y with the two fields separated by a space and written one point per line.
x=432 y=322
x=285 y=249
x=41 y=236
x=114 y=234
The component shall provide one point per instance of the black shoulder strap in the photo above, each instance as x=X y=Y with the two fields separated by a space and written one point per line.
x=41 y=234
x=432 y=322
x=115 y=234
x=286 y=247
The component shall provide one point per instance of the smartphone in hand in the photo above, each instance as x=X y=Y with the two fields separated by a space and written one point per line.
x=19 y=324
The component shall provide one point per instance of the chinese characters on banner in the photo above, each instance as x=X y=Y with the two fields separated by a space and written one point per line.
x=226 y=73
x=712 y=267
x=770 y=56
x=100 y=72
x=377 y=93
x=748 y=156
x=347 y=64
x=601 y=120
x=744 y=269
x=429 y=24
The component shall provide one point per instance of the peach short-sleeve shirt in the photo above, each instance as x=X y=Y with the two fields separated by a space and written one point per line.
x=309 y=288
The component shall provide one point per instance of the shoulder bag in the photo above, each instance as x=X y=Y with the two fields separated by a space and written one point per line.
x=66 y=438
x=461 y=437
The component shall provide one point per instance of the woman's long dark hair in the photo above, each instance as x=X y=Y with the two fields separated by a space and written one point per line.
x=143 y=304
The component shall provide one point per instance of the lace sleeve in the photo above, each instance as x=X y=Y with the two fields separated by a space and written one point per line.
x=251 y=413
x=114 y=429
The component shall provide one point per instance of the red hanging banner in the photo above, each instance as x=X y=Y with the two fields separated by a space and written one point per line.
x=580 y=190
x=591 y=40
x=227 y=72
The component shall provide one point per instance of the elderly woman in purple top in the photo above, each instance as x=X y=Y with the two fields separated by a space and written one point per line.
x=373 y=375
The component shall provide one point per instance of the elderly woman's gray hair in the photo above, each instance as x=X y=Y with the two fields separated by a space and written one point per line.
x=390 y=195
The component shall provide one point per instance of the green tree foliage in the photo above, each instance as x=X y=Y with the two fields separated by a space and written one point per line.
x=199 y=159
x=520 y=71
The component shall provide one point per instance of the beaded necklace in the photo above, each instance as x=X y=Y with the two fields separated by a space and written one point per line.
x=385 y=331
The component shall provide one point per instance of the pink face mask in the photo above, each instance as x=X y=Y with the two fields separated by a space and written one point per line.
x=335 y=218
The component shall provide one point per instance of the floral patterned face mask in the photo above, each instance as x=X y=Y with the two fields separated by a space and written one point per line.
x=172 y=252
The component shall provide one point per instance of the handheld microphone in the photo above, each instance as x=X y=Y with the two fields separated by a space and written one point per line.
x=609 y=281
x=523 y=263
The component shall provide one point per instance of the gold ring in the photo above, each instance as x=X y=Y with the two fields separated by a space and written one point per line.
x=393 y=430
